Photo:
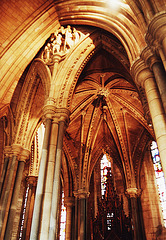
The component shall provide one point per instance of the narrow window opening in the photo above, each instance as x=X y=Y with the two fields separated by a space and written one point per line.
x=103 y=166
x=159 y=174
x=63 y=219
x=23 y=213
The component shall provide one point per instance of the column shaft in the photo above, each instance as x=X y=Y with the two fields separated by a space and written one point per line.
x=160 y=77
x=69 y=203
x=56 y=183
x=136 y=223
x=5 y=201
x=4 y=171
x=68 y=222
x=76 y=219
x=49 y=183
x=158 y=117
x=31 y=183
x=82 y=235
x=81 y=227
x=13 y=207
x=164 y=45
x=40 y=184
x=30 y=212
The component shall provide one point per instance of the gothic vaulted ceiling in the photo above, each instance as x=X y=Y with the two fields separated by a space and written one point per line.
x=107 y=117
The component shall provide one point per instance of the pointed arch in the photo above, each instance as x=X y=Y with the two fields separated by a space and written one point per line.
x=71 y=68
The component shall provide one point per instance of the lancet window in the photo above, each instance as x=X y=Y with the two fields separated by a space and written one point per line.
x=159 y=174
x=103 y=166
x=62 y=219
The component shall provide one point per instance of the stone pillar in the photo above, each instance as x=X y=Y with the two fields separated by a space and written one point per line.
x=7 y=152
x=63 y=118
x=143 y=76
x=31 y=182
x=82 y=196
x=69 y=203
x=157 y=32
x=8 y=191
x=45 y=221
x=49 y=110
x=132 y=194
x=76 y=217
x=156 y=66
x=24 y=155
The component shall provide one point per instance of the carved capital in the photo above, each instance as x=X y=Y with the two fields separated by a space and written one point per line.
x=7 y=151
x=63 y=115
x=149 y=57
x=133 y=192
x=24 y=155
x=81 y=193
x=141 y=72
x=21 y=153
x=49 y=108
x=157 y=27
x=16 y=149
x=32 y=180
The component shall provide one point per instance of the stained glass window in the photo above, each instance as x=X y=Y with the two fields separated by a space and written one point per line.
x=103 y=165
x=159 y=178
x=23 y=213
x=63 y=219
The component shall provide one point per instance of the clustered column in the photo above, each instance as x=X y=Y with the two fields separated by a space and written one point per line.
x=145 y=77
x=44 y=221
x=11 y=188
x=63 y=119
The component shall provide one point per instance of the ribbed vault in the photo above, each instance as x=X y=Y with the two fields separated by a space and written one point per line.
x=106 y=116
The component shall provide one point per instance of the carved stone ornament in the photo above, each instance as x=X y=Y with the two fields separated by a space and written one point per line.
x=60 y=43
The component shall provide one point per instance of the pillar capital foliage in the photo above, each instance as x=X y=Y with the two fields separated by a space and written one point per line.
x=133 y=192
x=81 y=193
x=140 y=72
x=157 y=28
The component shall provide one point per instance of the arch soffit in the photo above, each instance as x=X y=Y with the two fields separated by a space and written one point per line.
x=130 y=36
x=76 y=60
x=72 y=163
x=128 y=25
x=22 y=126
x=44 y=73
